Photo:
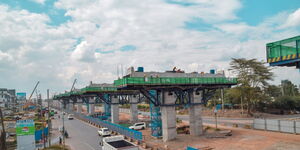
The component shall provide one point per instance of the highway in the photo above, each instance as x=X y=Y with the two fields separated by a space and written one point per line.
x=82 y=136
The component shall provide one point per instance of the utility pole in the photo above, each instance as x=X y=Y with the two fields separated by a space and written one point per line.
x=49 y=120
x=215 y=112
x=3 y=134
x=222 y=98
x=63 y=120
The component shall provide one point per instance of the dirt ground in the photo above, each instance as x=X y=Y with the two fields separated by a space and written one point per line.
x=241 y=139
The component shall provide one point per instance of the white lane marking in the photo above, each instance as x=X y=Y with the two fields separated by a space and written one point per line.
x=88 y=145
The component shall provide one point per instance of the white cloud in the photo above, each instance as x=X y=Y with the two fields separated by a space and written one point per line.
x=83 y=52
x=54 y=56
x=292 y=20
x=235 y=28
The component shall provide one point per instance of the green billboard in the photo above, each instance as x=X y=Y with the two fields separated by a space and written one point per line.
x=25 y=127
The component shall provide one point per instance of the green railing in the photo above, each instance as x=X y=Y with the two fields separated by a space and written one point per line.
x=86 y=90
x=174 y=80
x=283 y=50
x=98 y=89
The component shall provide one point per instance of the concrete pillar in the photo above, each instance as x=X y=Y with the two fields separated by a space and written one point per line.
x=90 y=105
x=134 y=109
x=168 y=116
x=114 y=110
x=195 y=117
x=72 y=106
x=91 y=109
x=59 y=105
x=67 y=106
x=79 y=107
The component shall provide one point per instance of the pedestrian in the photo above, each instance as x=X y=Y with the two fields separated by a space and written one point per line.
x=66 y=134
x=60 y=141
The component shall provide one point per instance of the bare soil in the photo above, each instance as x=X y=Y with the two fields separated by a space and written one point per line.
x=241 y=139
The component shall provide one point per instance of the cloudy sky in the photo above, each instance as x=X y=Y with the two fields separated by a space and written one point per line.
x=56 y=41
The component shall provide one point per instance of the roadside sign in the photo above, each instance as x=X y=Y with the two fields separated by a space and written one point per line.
x=25 y=127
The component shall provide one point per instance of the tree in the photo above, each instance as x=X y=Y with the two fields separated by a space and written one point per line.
x=253 y=76
x=273 y=91
x=288 y=88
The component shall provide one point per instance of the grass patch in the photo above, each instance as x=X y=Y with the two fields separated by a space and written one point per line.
x=56 y=147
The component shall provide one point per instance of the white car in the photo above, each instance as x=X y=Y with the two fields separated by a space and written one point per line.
x=70 y=116
x=138 y=126
x=104 y=132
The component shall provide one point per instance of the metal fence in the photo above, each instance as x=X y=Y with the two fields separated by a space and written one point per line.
x=286 y=126
x=39 y=134
x=111 y=126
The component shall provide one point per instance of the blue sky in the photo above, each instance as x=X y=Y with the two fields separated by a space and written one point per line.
x=88 y=39
x=57 y=16
x=256 y=11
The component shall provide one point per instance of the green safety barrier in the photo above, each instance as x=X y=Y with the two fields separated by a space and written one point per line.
x=174 y=80
x=287 y=49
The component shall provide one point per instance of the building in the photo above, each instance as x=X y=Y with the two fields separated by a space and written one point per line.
x=21 y=96
x=7 y=97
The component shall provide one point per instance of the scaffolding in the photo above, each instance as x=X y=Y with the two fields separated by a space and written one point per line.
x=107 y=107
x=155 y=115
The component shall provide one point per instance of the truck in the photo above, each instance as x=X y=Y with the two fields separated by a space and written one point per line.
x=117 y=143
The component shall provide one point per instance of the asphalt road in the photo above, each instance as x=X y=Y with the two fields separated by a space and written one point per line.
x=82 y=136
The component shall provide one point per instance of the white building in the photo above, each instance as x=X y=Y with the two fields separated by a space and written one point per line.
x=7 y=97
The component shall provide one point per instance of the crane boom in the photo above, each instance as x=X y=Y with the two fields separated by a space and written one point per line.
x=73 y=85
x=33 y=90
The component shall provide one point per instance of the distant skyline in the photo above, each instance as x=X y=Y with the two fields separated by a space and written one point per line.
x=56 y=41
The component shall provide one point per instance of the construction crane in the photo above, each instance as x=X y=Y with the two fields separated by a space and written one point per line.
x=33 y=90
x=73 y=85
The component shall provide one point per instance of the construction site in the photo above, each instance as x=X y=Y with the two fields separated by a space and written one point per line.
x=165 y=93
x=151 y=75
x=171 y=110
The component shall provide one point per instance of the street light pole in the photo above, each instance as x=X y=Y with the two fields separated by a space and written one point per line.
x=49 y=120
x=63 y=120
